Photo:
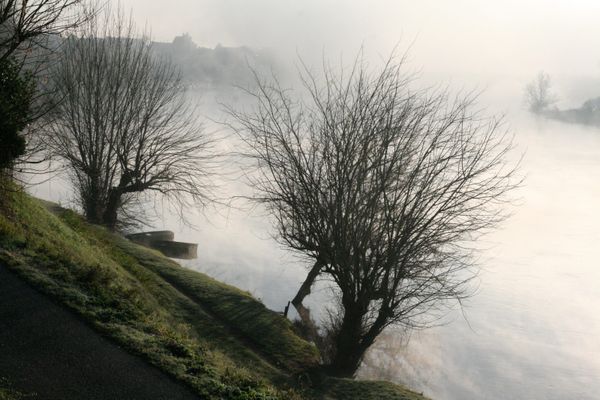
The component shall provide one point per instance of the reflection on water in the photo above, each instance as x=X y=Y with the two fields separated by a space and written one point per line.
x=533 y=329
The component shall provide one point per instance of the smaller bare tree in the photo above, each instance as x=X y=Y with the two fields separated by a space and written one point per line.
x=538 y=93
x=383 y=188
x=123 y=124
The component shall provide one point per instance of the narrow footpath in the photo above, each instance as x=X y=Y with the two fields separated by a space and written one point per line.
x=48 y=350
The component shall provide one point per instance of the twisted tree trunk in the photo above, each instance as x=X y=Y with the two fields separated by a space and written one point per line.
x=305 y=291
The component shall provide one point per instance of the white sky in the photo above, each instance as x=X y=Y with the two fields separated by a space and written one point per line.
x=456 y=36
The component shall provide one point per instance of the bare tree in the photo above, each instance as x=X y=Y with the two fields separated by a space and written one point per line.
x=123 y=124
x=538 y=94
x=382 y=187
x=24 y=23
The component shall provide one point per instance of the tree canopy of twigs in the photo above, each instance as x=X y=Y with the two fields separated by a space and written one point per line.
x=384 y=188
x=30 y=22
x=123 y=124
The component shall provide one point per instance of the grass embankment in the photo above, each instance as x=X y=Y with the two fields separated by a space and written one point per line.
x=214 y=337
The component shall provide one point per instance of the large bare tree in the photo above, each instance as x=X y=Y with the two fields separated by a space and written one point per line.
x=122 y=122
x=382 y=187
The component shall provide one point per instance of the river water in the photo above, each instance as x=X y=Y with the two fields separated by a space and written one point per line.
x=532 y=330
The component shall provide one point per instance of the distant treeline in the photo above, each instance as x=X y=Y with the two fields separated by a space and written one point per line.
x=218 y=66
x=202 y=66
x=541 y=99
x=587 y=114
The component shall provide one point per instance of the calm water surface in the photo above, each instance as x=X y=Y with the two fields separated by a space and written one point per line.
x=533 y=328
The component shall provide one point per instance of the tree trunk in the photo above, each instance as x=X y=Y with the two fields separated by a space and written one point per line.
x=109 y=218
x=93 y=201
x=93 y=211
x=349 y=347
x=305 y=291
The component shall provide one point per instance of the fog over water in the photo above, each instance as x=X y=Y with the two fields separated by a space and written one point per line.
x=532 y=330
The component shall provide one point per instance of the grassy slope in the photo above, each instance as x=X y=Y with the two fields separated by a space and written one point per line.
x=199 y=330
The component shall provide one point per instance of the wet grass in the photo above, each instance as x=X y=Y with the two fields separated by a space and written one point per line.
x=366 y=390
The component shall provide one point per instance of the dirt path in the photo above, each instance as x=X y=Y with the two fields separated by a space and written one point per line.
x=46 y=349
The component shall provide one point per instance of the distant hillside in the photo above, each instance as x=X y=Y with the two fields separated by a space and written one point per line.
x=201 y=66
x=218 y=66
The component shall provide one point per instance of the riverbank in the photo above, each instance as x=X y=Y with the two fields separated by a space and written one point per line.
x=214 y=338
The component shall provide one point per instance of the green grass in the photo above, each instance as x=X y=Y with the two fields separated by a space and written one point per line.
x=366 y=390
x=264 y=329
x=216 y=338
x=7 y=392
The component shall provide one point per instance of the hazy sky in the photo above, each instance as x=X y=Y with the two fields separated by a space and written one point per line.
x=480 y=36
